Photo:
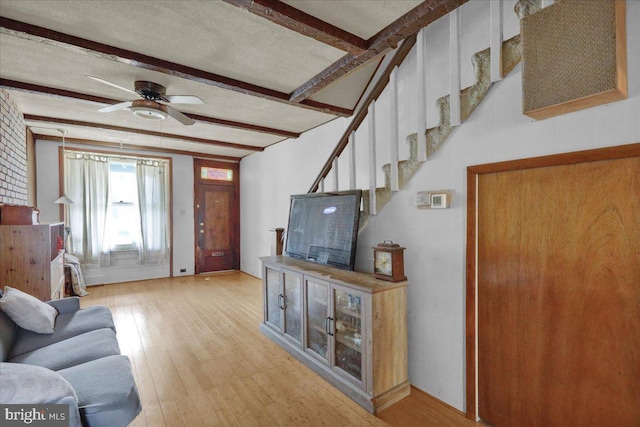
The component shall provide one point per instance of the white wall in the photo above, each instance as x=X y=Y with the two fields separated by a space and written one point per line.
x=435 y=240
x=125 y=270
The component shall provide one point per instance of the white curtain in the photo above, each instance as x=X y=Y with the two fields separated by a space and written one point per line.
x=153 y=202
x=87 y=183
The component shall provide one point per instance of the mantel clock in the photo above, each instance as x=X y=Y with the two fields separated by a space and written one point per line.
x=388 y=262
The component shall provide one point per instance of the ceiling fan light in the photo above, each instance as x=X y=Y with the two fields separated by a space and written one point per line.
x=149 y=110
x=148 y=113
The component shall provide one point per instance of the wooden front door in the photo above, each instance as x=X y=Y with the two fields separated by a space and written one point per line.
x=559 y=295
x=217 y=216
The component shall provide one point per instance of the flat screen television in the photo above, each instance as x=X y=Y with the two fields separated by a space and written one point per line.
x=323 y=228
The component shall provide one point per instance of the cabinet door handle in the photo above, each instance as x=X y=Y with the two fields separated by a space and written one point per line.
x=327 y=325
x=282 y=302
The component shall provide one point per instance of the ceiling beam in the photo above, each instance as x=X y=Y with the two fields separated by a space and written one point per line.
x=303 y=23
x=117 y=145
x=30 y=117
x=53 y=92
x=61 y=93
x=387 y=39
x=135 y=59
x=243 y=126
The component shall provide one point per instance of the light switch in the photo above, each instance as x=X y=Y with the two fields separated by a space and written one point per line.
x=422 y=198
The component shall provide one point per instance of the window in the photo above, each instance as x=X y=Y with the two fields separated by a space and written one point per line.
x=216 y=174
x=124 y=215
x=121 y=203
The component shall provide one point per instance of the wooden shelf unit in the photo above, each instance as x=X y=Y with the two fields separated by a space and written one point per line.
x=367 y=359
x=30 y=260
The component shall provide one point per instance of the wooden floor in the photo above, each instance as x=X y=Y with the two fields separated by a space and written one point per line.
x=199 y=360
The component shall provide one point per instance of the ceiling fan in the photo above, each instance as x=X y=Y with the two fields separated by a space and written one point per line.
x=150 y=106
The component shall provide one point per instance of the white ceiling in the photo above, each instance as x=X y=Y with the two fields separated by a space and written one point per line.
x=364 y=18
x=215 y=38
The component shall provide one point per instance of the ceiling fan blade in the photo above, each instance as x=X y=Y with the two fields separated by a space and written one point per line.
x=116 y=107
x=183 y=99
x=103 y=81
x=179 y=116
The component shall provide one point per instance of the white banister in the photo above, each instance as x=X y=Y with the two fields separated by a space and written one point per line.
x=336 y=184
x=352 y=160
x=393 y=128
x=321 y=186
x=495 y=37
x=546 y=3
x=421 y=75
x=454 y=61
x=372 y=158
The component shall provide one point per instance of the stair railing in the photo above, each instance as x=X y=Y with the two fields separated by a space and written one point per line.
x=399 y=56
x=490 y=65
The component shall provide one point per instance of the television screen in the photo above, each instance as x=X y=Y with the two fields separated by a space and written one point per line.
x=323 y=228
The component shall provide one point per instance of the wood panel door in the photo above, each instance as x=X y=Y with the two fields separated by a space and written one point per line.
x=217 y=216
x=559 y=295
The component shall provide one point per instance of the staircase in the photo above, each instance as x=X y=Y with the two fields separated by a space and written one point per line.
x=375 y=198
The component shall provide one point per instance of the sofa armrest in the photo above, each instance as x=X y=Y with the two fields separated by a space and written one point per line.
x=65 y=305
x=74 y=413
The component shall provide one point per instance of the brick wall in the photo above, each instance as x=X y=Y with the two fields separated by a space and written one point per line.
x=13 y=152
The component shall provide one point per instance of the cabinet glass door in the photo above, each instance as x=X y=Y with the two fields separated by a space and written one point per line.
x=348 y=332
x=272 y=310
x=317 y=318
x=293 y=305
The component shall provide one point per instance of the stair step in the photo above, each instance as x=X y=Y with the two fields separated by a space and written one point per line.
x=406 y=168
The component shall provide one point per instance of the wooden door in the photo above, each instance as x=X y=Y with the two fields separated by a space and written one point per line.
x=559 y=295
x=217 y=216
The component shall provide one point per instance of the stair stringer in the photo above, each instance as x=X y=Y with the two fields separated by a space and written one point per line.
x=470 y=98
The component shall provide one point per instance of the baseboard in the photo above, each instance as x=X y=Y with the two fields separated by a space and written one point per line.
x=393 y=396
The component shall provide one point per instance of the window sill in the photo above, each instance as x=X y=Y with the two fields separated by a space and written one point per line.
x=124 y=250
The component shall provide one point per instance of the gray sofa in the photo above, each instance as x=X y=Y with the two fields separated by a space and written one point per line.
x=82 y=352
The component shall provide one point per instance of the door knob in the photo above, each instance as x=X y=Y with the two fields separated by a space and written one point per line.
x=201 y=231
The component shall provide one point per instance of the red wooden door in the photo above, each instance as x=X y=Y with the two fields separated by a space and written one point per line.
x=559 y=295
x=217 y=216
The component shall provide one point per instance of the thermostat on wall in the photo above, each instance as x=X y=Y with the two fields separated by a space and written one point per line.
x=440 y=199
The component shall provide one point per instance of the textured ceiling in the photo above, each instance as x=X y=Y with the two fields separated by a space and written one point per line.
x=350 y=15
x=244 y=66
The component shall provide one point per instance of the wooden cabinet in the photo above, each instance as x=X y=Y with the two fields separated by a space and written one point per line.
x=336 y=329
x=283 y=302
x=30 y=259
x=348 y=327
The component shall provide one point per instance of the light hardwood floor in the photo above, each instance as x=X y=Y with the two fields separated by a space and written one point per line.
x=199 y=360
